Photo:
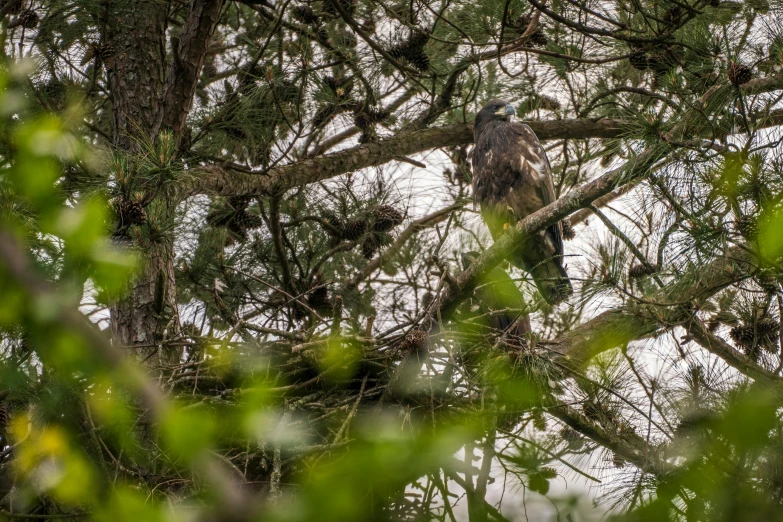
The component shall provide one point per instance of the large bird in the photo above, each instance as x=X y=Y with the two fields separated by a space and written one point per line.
x=512 y=179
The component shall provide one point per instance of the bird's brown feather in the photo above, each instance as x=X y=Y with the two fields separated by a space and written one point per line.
x=512 y=178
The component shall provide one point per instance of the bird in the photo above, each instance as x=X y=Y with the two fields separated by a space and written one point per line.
x=512 y=178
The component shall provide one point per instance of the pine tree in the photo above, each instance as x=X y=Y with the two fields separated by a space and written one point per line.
x=317 y=317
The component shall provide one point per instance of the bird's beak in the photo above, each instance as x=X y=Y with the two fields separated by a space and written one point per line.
x=510 y=110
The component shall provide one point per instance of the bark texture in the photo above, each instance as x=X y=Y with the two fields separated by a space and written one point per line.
x=136 y=69
x=219 y=180
x=144 y=101
x=185 y=67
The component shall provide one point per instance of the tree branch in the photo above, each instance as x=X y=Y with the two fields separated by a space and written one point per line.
x=670 y=306
x=215 y=179
x=186 y=65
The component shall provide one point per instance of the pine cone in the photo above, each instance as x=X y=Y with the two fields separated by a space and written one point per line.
x=130 y=212
x=538 y=38
x=748 y=227
x=639 y=270
x=673 y=15
x=305 y=14
x=568 y=230
x=247 y=221
x=386 y=218
x=106 y=53
x=354 y=229
x=419 y=61
x=742 y=335
x=639 y=59
x=374 y=242
x=318 y=298
x=750 y=338
x=739 y=74
x=27 y=19
x=415 y=340
x=768 y=332
x=336 y=227
x=412 y=51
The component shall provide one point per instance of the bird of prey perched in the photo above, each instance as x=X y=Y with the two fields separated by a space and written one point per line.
x=512 y=179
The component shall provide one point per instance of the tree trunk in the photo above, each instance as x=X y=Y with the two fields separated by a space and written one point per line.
x=135 y=69
x=141 y=319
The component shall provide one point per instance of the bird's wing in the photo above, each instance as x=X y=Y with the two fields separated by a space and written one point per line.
x=474 y=169
x=532 y=153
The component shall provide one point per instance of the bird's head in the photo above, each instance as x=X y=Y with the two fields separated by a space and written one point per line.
x=494 y=110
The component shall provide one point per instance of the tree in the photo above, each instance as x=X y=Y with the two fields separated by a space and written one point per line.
x=267 y=207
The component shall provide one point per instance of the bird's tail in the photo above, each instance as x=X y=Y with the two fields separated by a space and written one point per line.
x=552 y=281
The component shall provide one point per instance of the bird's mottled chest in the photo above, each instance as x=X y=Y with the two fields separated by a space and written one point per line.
x=507 y=162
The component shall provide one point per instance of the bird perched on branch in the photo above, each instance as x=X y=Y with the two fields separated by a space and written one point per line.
x=512 y=179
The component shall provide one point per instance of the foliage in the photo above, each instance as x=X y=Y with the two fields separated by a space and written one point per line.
x=233 y=291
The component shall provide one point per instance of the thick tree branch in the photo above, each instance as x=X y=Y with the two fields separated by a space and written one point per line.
x=185 y=68
x=715 y=345
x=215 y=179
x=673 y=305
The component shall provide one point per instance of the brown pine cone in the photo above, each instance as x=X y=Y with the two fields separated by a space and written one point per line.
x=354 y=229
x=248 y=221
x=748 y=227
x=305 y=14
x=739 y=74
x=130 y=212
x=412 y=51
x=538 y=38
x=639 y=59
x=568 y=230
x=386 y=218
x=639 y=270
x=374 y=242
